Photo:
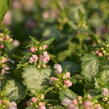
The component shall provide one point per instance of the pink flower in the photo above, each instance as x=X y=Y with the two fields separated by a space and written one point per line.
x=42 y=107
x=5 y=70
x=33 y=99
x=87 y=103
x=16 y=4
x=13 y=104
x=72 y=106
x=58 y=68
x=99 y=53
x=53 y=79
x=66 y=102
x=32 y=49
x=45 y=47
x=33 y=59
x=45 y=57
x=75 y=101
x=7 y=18
x=67 y=83
x=3 y=60
x=67 y=74
x=1 y=46
x=1 y=101
x=105 y=92
x=98 y=107
x=45 y=53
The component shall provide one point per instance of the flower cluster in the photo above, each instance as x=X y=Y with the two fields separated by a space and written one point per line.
x=104 y=51
x=4 y=38
x=81 y=103
x=37 y=102
x=5 y=104
x=40 y=56
x=4 y=58
x=105 y=94
x=3 y=65
x=61 y=80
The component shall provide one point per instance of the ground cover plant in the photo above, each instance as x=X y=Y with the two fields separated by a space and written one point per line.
x=54 y=54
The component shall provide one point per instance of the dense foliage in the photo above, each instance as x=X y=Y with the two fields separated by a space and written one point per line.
x=54 y=54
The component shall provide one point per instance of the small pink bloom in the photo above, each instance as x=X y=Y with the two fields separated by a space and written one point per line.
x=99 y=53
x=66 y=102
x=45 y=47
x=45 y=53
x=53 y=78
x=45 y=57
x=5 y=70
x=45 y=15
x=98 y=106
x=32 y=49
x=58 y=68
x=33 y=59
x=87 y=103
x=1 y=101
x=16 y=43
x=67 y=74
x=72 y=106
x=75 y=101
x=7 y=37
x=16 y=4
x=7 y=18
x=1 y=46
x=105 y=92
x=33 y=99
x=3 y=60
x=42 y=107
x=13 y=104
x=67 y=83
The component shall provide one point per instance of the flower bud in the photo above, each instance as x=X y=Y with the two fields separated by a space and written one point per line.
x=33 y=59
x=45 y=47
x=32 y=49
x=13 y=104
x=33 y=99
x=67 y=83
x=1 y=46
x=87 y=103
x=105 y=92
x=66 y=102
x=67 y=75
x=75 y=101
x=98 y=106
x=99 y=53
x=58 y=68
x=42 y=107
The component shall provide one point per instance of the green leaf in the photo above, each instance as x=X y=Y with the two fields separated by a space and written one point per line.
x=67 y=93
x=56 y=107
x=30 y=107
x=36 y=79
x=49 y=41
x=103 y=77
x=4 y=5
x=71 y=67
x=90 y=66
x=15 y=91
